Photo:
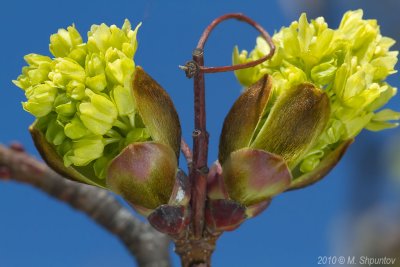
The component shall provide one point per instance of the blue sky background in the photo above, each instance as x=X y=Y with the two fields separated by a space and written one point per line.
x=299 y=226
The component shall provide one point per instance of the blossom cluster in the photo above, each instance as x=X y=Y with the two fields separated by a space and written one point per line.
x=82 y=98
x=350 y=64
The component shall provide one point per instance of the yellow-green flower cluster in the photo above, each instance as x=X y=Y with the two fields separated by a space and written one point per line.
x=82 y=98
x=350 y=64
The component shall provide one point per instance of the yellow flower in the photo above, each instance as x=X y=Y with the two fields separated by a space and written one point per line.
x=350 y=64
x=85 y=92
x=104 y=121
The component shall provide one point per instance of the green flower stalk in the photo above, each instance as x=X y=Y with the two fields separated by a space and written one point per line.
x=101 y=120
x=348 y=66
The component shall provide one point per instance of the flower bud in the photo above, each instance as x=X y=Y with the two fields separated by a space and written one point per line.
x=78 y=54
x=40 y=68
x=150 y=99
x=23 y=80
x=75 y=129
x=287 y=126
x=144 y=174
x=64 y=105
x=95 y=64
x=252 y=176
x=91 y=103
x=64 y=41
x=67 y=109
x=40 y=99
x=68 y=69
x=36 y=73
x=349 y=64
x=84 y=150
x=243 y=118
x=263 y=139
x=229 y=205
x=295 y=121
x=173 y=218
x=322 y=168
x=76 y=90
x=103 y=122
x=380 y=120
x=55 y=133
x=123 y=100
x=99 y=114
x=51 y=155
x=36 y=60
x=101 y=37
x=96 y=79
x=224 y=215
x=119 y=68
x=97 y=83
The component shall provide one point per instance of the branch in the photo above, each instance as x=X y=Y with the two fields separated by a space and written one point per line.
x=149 y=247
x=196 y=69
x=198 y=243
x=187 y=153
x=198 y=174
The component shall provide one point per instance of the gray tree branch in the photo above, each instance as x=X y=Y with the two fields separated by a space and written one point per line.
x=149 y=247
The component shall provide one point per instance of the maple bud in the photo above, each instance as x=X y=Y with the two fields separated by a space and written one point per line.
x=102 y=121
x=349 y=64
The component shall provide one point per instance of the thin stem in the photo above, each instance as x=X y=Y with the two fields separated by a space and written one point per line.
x=198 y=173
x=111 y=140
x=187 y=153
x=119 y=124
x=240 y=17
x=191 y=69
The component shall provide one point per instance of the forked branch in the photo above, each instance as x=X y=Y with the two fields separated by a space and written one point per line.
x=199 y=239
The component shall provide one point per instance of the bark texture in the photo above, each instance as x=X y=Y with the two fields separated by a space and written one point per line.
x=149 y=247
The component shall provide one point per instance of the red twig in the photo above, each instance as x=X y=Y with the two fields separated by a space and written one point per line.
x=198 y=174
x=240 y=17
x=199 y=170
x=192 y=67
x=187 y=153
